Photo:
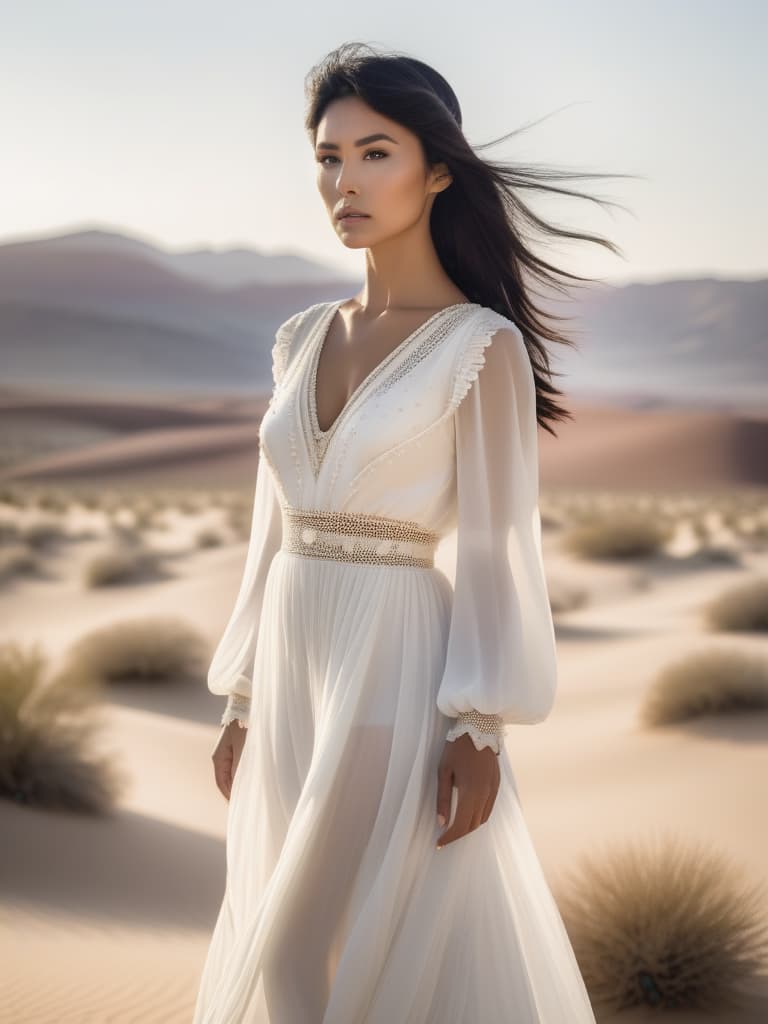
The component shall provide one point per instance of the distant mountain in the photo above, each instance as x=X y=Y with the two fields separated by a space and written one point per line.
x=218 y=268
x=76 y=317
x=703 y=341
x=98 y=311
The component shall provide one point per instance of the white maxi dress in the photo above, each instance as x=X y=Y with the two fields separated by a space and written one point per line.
x=351 y=664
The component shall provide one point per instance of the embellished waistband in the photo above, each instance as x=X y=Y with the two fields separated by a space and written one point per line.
x=358 y=537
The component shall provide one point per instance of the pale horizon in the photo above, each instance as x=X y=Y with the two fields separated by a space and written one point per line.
x=144 y=121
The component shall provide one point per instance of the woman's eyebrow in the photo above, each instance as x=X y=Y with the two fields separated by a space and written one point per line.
x=360 y=142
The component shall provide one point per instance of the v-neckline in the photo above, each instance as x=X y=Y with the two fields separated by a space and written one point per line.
x=323 y=437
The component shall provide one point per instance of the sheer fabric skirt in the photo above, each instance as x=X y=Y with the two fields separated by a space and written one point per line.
x=338 y=908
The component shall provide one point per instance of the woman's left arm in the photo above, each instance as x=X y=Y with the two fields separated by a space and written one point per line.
x=501 y=664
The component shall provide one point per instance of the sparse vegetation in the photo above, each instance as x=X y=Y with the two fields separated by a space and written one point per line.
x=42 y=533
x=46 y=757
x=667 y=926
x=743 y=608
x=121 y=565
x=9 y=531
x=208 y=538
x=616 y=535
x=710 y=682
x=161 y=650
x=565 y=597
x=18 y=560
x=52 y=501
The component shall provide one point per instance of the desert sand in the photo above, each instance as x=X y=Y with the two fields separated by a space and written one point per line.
x=109 y=919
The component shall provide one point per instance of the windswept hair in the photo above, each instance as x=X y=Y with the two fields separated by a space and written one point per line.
x=481 y=227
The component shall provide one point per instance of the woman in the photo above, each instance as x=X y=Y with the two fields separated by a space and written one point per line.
x=379 y=870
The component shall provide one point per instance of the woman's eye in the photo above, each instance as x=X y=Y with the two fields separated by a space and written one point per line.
x=369 y=152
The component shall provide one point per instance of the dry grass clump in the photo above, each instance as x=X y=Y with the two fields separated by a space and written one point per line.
x=711 y=682
x=52 y=501
x=91 y=500
x=124 y=533
x=9 y=496
x=42 y=533
x=208 y=537
x=188 y=505
x=144 y=517
x=743 y=608
x=158 y=650
x=617 y=535
x=565 y=597
x=664 y=926
x=18 y=560
x=9 y=531
x=46 y=757
x=122 y=565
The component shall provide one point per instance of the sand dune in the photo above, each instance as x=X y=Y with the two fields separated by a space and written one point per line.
x=213 y=440
x=109 y=919
x=664 y=448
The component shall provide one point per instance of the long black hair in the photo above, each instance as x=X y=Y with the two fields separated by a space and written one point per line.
x=479 y=223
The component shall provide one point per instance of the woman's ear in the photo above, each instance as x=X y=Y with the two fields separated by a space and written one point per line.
x=441 y=177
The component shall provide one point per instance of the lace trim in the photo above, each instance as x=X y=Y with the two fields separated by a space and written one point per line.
x=423 y=339
x=281 y=349
x=237 y=709
x=483 y=730
x=472 y=357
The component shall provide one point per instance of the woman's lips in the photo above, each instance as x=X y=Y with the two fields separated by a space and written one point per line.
x=355 y=216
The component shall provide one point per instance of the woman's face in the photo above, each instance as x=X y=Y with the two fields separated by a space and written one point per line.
x=376 y=165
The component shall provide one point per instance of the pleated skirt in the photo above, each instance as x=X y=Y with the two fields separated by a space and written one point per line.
x=338 y=908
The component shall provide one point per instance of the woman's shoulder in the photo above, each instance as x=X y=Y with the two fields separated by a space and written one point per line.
x=486 y=328
x=290 y=334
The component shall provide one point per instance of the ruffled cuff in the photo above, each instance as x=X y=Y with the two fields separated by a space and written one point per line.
x=238 y=709
x=483 y=730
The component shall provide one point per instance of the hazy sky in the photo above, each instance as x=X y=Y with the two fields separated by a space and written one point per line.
x=181 y=121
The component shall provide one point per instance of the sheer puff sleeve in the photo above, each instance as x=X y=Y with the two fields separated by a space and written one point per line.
x=230 y=671
x=501 y=664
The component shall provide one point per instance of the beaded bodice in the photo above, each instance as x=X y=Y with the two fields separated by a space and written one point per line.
x=385 y=375
x=390 y=424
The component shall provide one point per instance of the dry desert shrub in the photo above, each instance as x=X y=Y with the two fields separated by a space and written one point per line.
x=743 y=608
x=9 y=496
x=46 y=757
x=667 y=926
x=9 y=531
x=18 y=560
x=208 y=538
x=710 y=682
x=42 y=533
x=124 y=533
x=91 y=500
x=617 y=535
x=188 y=505
x=565 y=597
x=718 y=554
x=144 y=518
x=161 y=650
x=121 y=565
x=53 y=501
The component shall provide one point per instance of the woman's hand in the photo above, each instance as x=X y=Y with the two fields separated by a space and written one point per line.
x=226 y=755
x=476 y=775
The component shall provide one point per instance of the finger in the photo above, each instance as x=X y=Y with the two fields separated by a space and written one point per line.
x=488 y=807
x=444 y=793
x=465 y=809
x=223 y=774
